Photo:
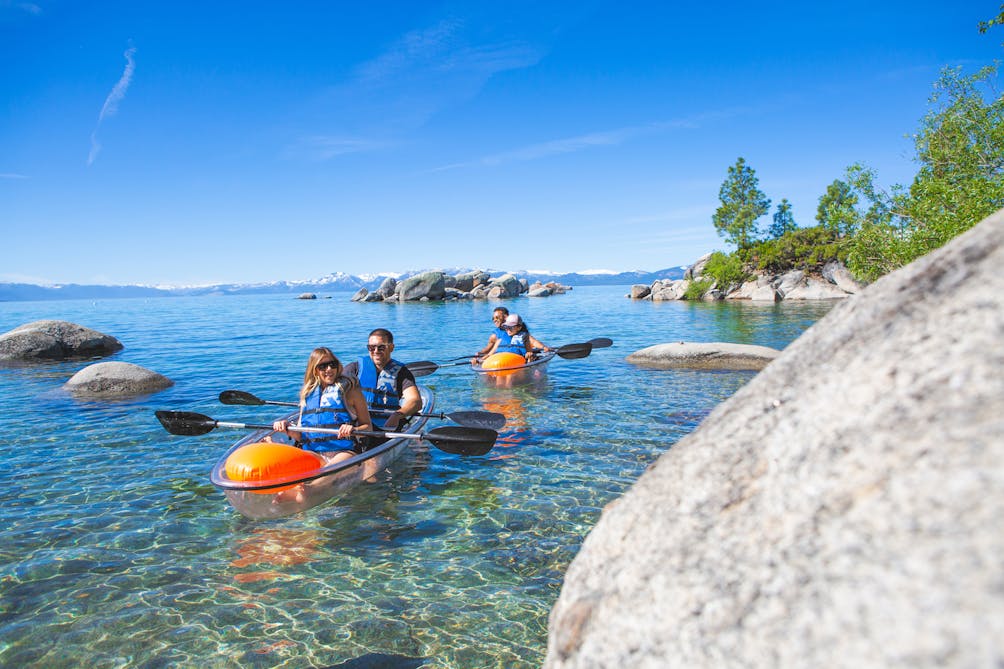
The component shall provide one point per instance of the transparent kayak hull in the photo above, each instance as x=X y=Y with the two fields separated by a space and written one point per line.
x=511 y=375
x=279 y=497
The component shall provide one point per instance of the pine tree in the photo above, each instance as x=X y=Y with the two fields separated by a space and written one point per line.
x=783 y=220
x=742 y=204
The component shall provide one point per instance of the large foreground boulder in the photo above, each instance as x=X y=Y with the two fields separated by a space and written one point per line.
x=55 y=340
x=108 y=380
x=701 y=355
x=843 y=509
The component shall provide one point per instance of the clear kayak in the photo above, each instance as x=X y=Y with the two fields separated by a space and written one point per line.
x=291 y=493
x=508 y=369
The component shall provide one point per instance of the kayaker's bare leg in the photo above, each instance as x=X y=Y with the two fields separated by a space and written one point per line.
x=298 y=493
x=332 y=457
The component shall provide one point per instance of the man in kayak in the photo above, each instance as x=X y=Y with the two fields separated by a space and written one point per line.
x=520 y=340
x=387 y=384
x=498 y=318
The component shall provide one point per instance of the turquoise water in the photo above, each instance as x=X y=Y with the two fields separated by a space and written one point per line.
x=115 y=550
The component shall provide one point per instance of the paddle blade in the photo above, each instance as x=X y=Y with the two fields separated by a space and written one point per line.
x=240 y=397
x=601 y=342
x=462 y=440
x=575 y=351
x=461 y=358
x=186 y=423
x=422 y=368
x=488 y=420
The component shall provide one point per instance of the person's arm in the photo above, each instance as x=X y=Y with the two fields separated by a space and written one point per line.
x=411 y=400
x=411 y=404
x=535 y=346
x=488 y=347
x=357 y=403
x=283 y=426
x=494 y=348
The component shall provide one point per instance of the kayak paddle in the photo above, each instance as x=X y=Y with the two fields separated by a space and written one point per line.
x=489 y=420
x=451 y=439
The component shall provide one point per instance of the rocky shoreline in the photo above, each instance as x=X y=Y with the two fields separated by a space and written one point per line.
x=833 y=282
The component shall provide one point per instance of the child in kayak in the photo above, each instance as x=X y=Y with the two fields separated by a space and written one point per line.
x=520 y=341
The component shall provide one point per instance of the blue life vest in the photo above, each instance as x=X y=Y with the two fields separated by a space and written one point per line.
x=516 y=344
x=502 y=335
x=326 y=409
x=380 y=390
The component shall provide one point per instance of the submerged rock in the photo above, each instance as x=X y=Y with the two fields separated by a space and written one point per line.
x=842 y=509
x=55 y=340
x=108 y=380
x=698 y=355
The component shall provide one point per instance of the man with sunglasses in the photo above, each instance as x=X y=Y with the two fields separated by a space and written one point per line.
x=499 y=315
x=387 y=384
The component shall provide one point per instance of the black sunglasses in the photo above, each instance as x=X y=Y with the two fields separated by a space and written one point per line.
x=323 y=366
x=376 y=347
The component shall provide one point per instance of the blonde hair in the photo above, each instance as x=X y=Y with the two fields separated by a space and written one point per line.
x=312 y=381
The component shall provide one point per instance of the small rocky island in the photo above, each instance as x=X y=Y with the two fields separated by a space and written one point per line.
x=476 y=285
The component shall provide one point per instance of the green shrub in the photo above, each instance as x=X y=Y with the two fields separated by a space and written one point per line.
x=805 y=248
x=725 y=270
x=697 y=289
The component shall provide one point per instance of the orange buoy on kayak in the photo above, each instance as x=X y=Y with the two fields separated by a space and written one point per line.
x=267 y=461
x=506 y=363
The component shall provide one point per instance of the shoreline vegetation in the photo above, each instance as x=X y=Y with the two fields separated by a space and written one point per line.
x=860 y=227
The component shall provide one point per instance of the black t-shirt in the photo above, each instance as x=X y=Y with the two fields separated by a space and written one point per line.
x=404 y=379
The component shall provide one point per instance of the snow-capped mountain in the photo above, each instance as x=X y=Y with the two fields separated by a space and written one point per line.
x=335 y=282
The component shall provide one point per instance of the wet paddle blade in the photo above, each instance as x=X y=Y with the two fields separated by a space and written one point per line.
x=601 y=342
x=422 y=368
x=488 y=420
x=462 y=440
x=240 y=397
x=186 y=423
x=575 y=351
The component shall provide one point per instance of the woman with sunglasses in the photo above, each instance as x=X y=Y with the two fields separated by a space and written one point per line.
x=519 y=340
x=331 y=400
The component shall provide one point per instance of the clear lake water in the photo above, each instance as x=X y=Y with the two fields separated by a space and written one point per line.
x=116 y=551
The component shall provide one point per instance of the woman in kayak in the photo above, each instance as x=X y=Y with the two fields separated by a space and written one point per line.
x=330 y=400
x=520 y=340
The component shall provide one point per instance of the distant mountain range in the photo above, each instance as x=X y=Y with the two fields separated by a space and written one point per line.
x=338 y=282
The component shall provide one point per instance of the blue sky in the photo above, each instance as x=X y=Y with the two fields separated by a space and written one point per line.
x=190 y=143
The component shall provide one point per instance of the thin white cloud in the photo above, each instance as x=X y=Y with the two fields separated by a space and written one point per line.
x=320 y=147
x=440 y=53
x=592 y=140
x=414 y=78
x=416 y=49
x=550 y=148
x=111 y=105
x=12 y=175
x=29 y=7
